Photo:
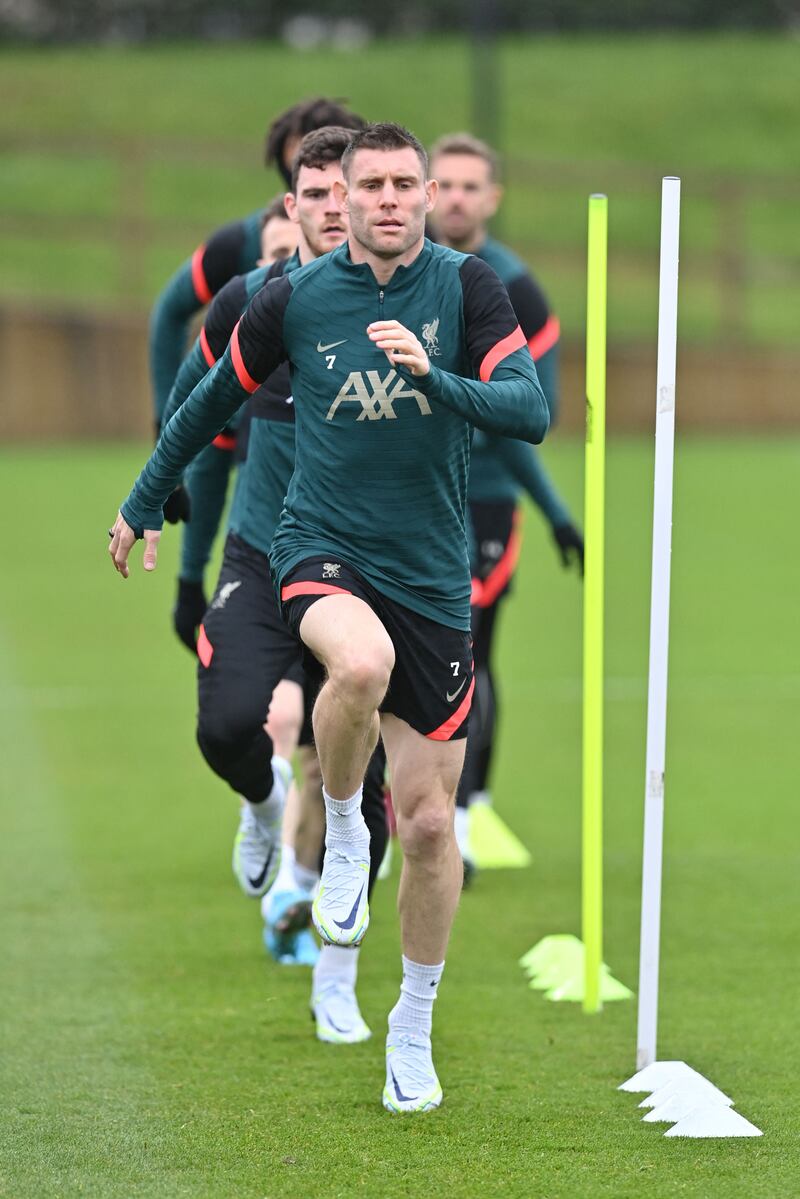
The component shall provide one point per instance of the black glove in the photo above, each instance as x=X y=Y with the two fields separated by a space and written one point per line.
x=570 y=544
x=189 y=610
x=178 y=506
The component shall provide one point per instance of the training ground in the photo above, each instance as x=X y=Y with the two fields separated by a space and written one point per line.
x=149 y=1047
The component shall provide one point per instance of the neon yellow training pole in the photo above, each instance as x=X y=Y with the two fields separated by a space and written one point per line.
x=594 y=522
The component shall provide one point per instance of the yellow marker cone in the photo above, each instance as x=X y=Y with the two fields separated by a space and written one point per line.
x=492 y=844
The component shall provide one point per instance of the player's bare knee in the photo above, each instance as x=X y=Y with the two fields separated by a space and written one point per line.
x=425 y=829
x=362 y=675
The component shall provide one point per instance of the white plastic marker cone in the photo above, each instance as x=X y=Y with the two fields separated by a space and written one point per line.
x=678 y=1083
x=714 y=1122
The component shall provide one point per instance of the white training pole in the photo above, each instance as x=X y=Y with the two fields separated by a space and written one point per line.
x=659 y=626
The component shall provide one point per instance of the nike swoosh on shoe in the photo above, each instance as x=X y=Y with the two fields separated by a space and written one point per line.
x=403 y=1098
x=344 y=925
x=259 y=880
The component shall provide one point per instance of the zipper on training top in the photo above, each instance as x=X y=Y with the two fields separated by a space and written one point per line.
x=380 y=303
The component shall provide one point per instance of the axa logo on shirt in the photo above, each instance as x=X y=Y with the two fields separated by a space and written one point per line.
x=377 y=396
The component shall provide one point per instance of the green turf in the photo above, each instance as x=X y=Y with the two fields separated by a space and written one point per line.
x=104 y=151
x=148 y=1047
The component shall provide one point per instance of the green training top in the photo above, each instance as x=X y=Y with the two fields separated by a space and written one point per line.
x=382 y=456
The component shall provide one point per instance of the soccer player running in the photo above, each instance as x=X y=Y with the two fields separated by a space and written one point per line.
x=208 y=477
x=249 y=660
x=231 y=250
x=370 y=554
x=501 y=468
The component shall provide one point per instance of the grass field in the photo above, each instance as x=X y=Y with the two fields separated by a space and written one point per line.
x=149 y=1049
x=103 y=149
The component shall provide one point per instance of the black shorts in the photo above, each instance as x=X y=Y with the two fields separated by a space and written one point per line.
x=432 y=681
x=243 y=641
x=496 y=527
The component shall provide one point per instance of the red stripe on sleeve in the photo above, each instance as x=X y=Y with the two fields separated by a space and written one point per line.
x=312 y=588
x=514 y=341
x=546 y=338
x=246 y=380
x=205 y=650
x=224 y=441
x=445 y=731
x=199 y=281
x=206 y=348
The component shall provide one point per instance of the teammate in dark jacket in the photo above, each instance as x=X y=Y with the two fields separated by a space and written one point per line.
x=501 y=469
x=232 y=250
x=370 y=554
x=249 y=660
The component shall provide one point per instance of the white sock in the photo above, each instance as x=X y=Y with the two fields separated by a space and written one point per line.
x=306 y=879
x=271 y=809
x=335 y=965
x=462 y=831
x=344 y=823
x=286 y=879
x=413 y=1011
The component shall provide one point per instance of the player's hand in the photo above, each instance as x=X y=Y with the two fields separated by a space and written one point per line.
x=122 y=539
x=178 y=506
x=188 y=613
x=400 y=346
x=569 y=540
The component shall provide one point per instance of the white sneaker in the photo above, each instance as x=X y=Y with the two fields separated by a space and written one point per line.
x=341 y=909
x=335 y=1011
x=411 y=1082
x=257 y=848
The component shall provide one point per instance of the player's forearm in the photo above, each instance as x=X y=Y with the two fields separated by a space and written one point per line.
x=511 y=403
x=195 y=425
x=526 y=467
x=193 y=368
x=169 y=324
x=207 y=484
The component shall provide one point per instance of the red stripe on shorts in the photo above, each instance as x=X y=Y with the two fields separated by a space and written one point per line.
x=445 y=731
x=311 y=588
x=498 y=577
x=205 y=650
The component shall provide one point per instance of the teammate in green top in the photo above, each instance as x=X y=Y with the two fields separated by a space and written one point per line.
x=206 y=482
x=249 y=660
x=397 y=347
x=501 y=468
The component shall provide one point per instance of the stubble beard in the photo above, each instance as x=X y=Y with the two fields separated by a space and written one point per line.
x=361 y=232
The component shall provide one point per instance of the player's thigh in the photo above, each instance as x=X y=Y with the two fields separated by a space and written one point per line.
x=343 y=631
x=424 y=772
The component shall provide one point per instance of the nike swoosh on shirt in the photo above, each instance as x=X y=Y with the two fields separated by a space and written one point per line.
x=450 y=697
x=351 y=919
x=257 y=882
x=331 y=346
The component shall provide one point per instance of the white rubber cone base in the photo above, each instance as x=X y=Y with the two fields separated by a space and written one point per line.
x=682 y=1104
x=694 y=1088
x=714 y=1122
x=654 y=1076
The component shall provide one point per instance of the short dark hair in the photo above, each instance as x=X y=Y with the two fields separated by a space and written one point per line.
x=275 y=208
x=301 y=119
x=384 y=136
x=319 y=148
x=465 y=143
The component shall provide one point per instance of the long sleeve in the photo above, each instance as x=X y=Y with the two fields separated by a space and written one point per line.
x=207 y=483
x=542 y=330
x=526 y=468
x=169 y=324
x=506 y=396
x=255 y=350
x=193 y=368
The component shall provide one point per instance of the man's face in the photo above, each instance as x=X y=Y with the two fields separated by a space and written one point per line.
x=388 y=199
x=316 y=209
x=278 y=240
x=467 y=195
